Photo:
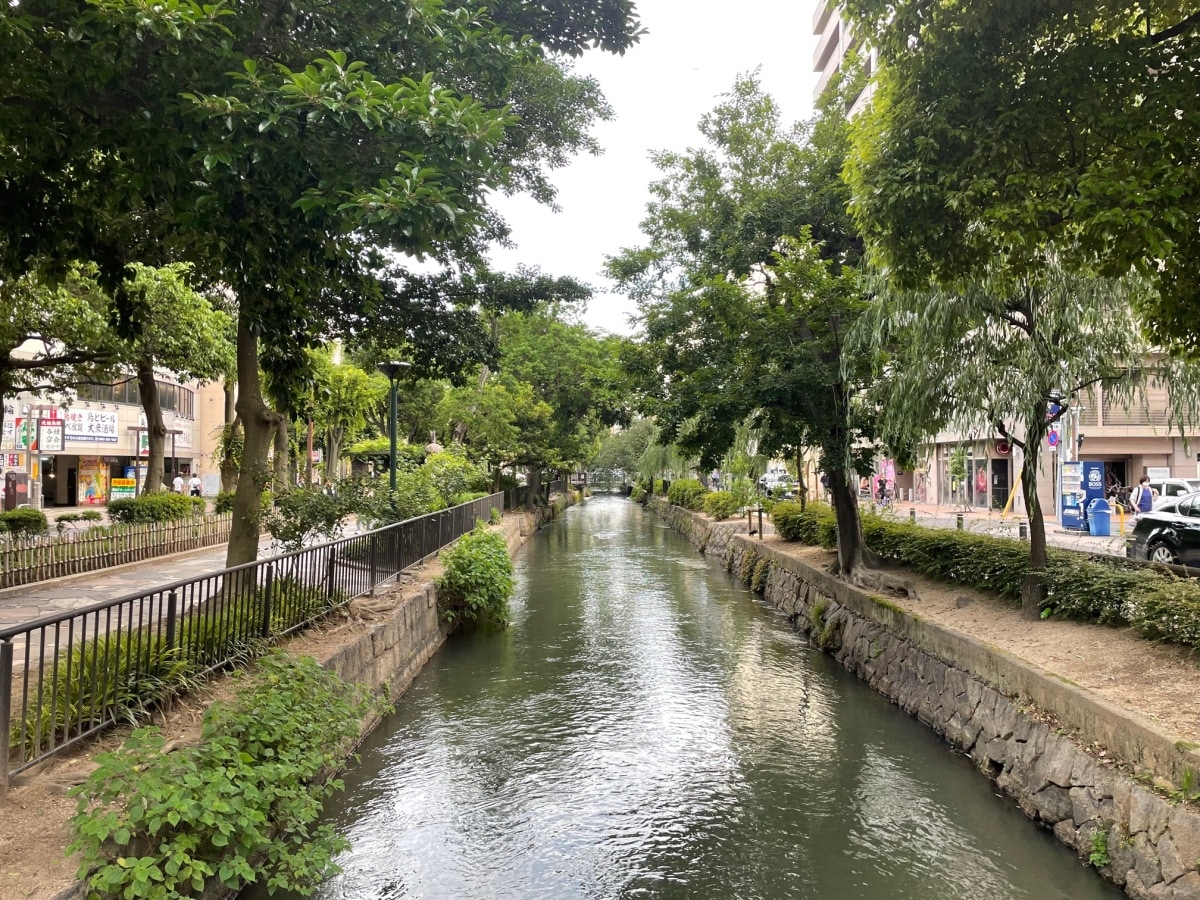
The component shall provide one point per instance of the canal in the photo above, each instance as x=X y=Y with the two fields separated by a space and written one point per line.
x=649 y=728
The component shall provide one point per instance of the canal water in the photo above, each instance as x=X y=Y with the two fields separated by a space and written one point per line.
x=647 y=727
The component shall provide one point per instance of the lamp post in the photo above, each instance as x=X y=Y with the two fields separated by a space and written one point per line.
x=391 y=370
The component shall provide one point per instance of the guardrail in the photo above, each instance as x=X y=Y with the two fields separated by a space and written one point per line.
x=29 y=560
x=68 y=676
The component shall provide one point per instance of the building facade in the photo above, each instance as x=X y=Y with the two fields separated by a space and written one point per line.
x=835 y=41
x=87 y=447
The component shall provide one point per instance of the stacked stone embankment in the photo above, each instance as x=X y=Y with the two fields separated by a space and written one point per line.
x=1024 y=729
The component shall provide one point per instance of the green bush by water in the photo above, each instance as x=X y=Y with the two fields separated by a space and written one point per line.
x=477 y=579
x=687 y=492
x=721 y=504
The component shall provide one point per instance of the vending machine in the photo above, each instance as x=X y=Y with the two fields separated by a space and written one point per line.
x=1072 y=497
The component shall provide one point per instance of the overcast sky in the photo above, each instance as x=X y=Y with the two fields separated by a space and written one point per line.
x=658 y=90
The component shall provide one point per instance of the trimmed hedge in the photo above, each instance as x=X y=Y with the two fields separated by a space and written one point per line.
x=24 y=522
x=1102 y=589
x=160 y=506
x=687 y=492
x=721 y=504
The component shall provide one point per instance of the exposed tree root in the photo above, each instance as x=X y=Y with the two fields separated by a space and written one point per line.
x=883 y=582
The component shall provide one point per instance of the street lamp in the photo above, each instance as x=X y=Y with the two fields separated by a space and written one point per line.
x=391 y=370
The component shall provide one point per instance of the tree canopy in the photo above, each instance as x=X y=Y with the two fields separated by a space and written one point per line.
x=1009 y=126
x=747 y=290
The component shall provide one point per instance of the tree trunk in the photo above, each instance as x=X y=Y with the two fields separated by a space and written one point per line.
x=333 y=453
x=229 y=465
x=156 y=431
x=283 y=456
x=533 y=487
x=802 y=490
x=259 y=424
x=1033 y=588
x=851 y=549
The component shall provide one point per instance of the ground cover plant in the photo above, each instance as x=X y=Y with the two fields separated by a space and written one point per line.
x=238 y=808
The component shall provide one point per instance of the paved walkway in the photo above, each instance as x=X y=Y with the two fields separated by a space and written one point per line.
x=33 y=601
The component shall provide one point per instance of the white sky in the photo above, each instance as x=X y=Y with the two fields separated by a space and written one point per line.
x=658 y=90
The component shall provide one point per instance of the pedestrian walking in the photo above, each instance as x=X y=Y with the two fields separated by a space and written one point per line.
x=177 y=484
x=1142 y=497
x=194 y=486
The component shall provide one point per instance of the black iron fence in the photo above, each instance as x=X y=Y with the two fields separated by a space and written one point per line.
x=67 y=676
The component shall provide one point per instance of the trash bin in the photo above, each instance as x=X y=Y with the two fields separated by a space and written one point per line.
x=1099 y=516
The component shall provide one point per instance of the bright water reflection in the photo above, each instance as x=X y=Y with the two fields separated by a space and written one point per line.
x=647 y=728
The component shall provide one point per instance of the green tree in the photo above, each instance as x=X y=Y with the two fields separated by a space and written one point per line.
x=172 y=327
x=282 y=149
x=1003 y=127
x=343 y=397
x=1007 y=354
x=575 y=372
x=747 y=291
x=61 y=330
x=621 y=451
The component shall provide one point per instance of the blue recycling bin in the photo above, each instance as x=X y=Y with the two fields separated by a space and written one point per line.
x=1099 y=516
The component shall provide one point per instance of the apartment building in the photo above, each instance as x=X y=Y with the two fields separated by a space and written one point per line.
x=835 y=40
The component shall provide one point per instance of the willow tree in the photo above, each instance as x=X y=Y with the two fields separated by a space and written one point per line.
x=1007 y=353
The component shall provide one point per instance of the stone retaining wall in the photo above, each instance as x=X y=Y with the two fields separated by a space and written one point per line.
x=1152 y=845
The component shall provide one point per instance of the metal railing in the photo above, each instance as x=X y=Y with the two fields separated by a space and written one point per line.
x=68 y=676
x=29 y=560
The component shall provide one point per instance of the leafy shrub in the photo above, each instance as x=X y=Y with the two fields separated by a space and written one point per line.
x=452 y=474
x=813 y=524
x=721 y=504
x=686 y=492
x=639 y=494
x=467 y=497
x=496 y=516
x=477 y=579
x=223 y=503
x=302 y=515
x=659 y=488
x=155 y=824
x=160 y=506
x=1170 y=611
x=24 y=522
x=415 y=496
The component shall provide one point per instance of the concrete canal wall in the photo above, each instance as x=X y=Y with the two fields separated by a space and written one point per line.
x=1024 y=728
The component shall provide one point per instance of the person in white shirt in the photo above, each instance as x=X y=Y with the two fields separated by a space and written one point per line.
x=177 y=484
x=194 y=484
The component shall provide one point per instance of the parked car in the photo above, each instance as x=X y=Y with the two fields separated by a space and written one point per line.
x=1169 y=488
x=773 y=483
x=1170 y=533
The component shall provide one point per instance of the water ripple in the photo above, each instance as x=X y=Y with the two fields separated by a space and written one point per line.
x=647 y=729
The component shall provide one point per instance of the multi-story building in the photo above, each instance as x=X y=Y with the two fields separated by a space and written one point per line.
x=79 y=449
x=835 y=41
